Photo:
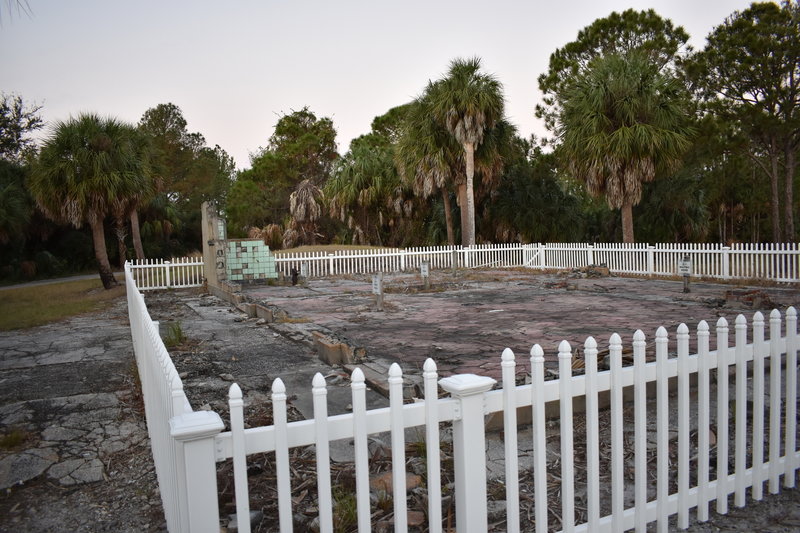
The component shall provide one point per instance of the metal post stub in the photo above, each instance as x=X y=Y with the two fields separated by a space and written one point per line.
x=685 y=270
x=377 y=290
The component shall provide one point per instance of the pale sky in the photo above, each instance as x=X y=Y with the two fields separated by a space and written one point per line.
x=234 y=67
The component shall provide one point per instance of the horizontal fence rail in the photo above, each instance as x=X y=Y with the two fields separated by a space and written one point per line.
x=181 y=272
x=742 y=392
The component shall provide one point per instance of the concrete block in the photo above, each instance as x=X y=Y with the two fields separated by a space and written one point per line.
x=265 y=313
x=335 y=352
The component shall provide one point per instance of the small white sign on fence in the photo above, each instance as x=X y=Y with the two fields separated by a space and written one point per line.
x=685 y=267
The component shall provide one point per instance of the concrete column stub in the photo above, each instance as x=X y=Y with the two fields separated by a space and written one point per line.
x=214 y=244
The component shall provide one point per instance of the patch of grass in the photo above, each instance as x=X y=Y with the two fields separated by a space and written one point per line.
x=345 y=512
x=27 y=307
x=293 y=320
x=13 y=439
x=175 y=335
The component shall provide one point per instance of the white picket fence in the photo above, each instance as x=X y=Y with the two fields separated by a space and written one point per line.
x=188 y=444
x=343 y=262
x=766 y=261
x=772 y=262
x=775 y=262
x=165 y=403
x=180 y=272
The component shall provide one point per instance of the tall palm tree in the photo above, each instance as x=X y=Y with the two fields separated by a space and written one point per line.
x=621 y=123
x=150 y=185
x=84 y=167
x=141 y=188
x=429 y=158
x=469 y=104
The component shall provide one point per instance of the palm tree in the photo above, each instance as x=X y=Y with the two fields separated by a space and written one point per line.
x=468 y=104
x=85 y=166
x=621 y=123
x=305 y=206
x=150 y=185
x=361 y=190
x=428 y=157
x=141 y=189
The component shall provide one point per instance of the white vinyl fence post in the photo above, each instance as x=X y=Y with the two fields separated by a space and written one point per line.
x=469 y=441
x=167 y=281
x=651 y=260
x=726 y=262
x=195 y=431
x=589 y=255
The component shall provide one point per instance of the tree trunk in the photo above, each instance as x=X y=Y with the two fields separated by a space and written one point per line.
x=101 y=254
x=136 y=237
x=788 y=214
x=462 y=204
x=627 y=223
x=122 y=249
x=448 y=218
x=469 y=148
x=775 y=196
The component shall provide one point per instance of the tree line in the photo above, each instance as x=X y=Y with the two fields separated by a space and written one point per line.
x=648 y=139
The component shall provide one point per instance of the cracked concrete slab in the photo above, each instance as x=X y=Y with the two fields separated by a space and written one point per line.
x=465 y=321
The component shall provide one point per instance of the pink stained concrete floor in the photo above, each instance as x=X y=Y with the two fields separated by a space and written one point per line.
x=466 y=320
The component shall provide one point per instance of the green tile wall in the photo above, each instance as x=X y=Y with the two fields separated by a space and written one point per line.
x=249 y=260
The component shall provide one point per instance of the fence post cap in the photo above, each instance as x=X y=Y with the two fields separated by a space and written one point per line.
x=195 y=425
x=235 y=392
x=466 y=384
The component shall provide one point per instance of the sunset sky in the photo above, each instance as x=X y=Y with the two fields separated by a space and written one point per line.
x=235 y=67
